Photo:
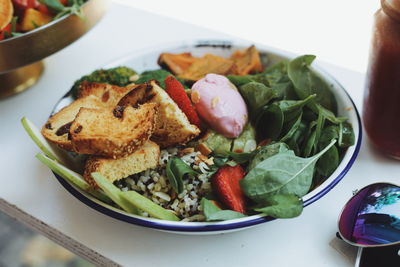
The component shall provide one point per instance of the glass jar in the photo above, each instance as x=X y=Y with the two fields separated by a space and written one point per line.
x=381 y=110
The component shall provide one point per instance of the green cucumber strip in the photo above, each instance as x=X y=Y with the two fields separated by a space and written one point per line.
x=39 y=140
x=114 y=193
x=73 y=177
x=145 y=204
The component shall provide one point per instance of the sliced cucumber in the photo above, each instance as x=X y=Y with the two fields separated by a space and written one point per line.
x=145 y=204
x=72 y=177
x=114 y=193
x=39 y=140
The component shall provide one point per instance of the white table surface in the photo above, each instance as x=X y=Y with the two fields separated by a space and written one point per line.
x=30 y=192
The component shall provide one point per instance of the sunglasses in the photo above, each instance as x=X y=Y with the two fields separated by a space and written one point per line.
x=371 y=221
x=371 y=218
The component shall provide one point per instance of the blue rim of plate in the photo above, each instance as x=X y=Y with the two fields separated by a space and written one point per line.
x=226 y=225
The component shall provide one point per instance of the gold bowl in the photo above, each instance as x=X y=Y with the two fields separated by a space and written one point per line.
x=20 y=57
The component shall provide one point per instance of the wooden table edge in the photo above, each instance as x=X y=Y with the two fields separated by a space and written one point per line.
x=55 y=235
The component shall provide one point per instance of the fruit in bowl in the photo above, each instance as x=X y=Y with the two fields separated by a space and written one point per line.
x=32 y=30
x=20 y=16
x=215 y=140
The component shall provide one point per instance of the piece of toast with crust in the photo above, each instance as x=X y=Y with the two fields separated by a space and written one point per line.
x=146 y=157
x=112 y=133
x=109 y=94
x=91 y=95
x=56 y=129
x=172 y=125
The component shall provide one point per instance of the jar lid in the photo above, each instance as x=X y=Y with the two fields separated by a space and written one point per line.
x=391 y=8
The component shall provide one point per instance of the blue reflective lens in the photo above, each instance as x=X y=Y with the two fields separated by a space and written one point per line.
x=372 y=216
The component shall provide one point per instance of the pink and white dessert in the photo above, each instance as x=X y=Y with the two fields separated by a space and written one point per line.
x=220 y=105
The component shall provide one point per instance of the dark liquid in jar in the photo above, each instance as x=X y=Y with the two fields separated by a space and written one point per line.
x=381 y=111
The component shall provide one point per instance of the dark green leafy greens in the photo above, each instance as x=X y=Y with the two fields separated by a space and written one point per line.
x=282 y=206
x=266 y=152
x=269 y=121
x=346 y=135
x=159 y=75
x=176 y=170
x=282 y=173
x=307 y=82
x=256 y=95
x=214 y=213
x=293 y=108
x=293 y=104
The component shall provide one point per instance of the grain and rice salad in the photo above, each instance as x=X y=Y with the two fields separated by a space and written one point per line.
x=154 y=184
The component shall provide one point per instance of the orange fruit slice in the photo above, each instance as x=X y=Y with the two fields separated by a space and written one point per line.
x=6 y=12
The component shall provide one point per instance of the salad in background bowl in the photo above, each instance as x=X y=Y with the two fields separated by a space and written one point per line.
x=224 y=136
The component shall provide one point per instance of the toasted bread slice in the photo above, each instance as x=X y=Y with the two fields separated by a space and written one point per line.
x=140 y=94
x=109 y=94
x=172 y=127
x=146 y=157
x=112 y=133
x=91 y=95
x=56 y=129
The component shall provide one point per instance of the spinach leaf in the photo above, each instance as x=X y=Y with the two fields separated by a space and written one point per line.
x=269 y=121
x=238 y=80
x=158 y=75
x=297 y=138
x=256 y=95
x=346 y=135
x=291 y=128
x=328 y=134
x=292 y=108
x=318 y=130
x=309 y=115
x=329 y=115
x=280 y=67
x=243 y=157
x=282 y=206
x=284 y=90
x=308 y=145
x=277 y=78
x=214 y=213
x=283 y=173
x=274 y=74
x=267 y=151
x=307 y=82
x=220 y=161
x=328 y=163
x=176 y=169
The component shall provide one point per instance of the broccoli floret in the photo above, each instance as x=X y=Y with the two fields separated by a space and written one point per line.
x=116 y=76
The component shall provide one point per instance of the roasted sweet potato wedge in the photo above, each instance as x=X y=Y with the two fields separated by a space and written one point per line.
x=247 y=61
x=209 y=63
x=176 y=63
